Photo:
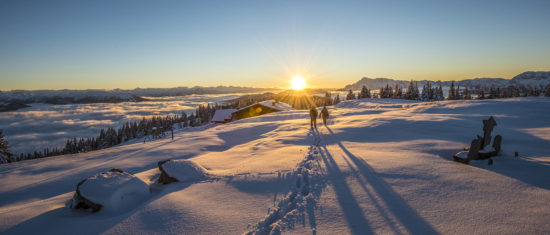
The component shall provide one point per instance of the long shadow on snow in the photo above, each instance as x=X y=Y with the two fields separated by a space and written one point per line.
x=531 y=172
x=64 y=220
x=462 y=129
x=66 y=181
x=411 y=220
x=274 y=185
x=352 y=212
x=241 y=136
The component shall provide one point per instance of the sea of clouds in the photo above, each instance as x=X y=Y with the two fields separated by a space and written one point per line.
x=45 y=125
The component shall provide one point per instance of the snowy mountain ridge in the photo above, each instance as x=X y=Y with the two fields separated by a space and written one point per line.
x=528 y=79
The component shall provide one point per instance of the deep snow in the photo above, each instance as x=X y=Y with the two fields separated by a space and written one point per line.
x=112 y=190
x=382 y=166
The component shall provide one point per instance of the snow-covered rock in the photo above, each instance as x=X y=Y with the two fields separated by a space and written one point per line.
x=181 y=171
x=111 y=190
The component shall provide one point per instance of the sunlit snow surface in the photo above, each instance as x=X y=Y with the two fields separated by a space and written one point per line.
x=45 y=125
x=382 y=166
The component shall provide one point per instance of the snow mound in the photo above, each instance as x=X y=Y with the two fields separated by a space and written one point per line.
x=181 y=171
x=112 y=190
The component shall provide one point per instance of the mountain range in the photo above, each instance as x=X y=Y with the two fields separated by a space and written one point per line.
x=530 y=79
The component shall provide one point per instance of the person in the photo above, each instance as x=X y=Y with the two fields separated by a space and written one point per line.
x=324 y=115
x=313 y=115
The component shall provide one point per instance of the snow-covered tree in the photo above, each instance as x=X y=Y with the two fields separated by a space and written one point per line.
x=412 y=92
x=350 y=95
x=480 y=94
x=533 y=92
x=439 y=93
x=493 y=94
x=397 y=92
x=452 y=94
x=328 y=98
x=336 y=99
x=365 y=93
x=547 y=91
x=466 y=94
x=5 y=154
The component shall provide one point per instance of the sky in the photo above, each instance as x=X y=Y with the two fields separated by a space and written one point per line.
x=128 y=44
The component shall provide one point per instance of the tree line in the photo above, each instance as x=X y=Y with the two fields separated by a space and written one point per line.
x=431 y=92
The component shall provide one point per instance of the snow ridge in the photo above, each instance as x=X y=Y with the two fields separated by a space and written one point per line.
x=301 y=199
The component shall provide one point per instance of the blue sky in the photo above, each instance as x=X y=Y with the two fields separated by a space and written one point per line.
x=128 y=44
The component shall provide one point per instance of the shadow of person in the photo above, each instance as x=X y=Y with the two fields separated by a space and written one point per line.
x=350 y=207
x=408 y=217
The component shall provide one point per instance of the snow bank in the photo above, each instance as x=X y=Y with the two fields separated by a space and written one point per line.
x=112 y=190
x=181 y=171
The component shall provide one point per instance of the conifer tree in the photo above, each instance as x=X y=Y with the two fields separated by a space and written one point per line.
x=365 y=93
x=452 y=91
x=336 y=99
x=328 y=98
x=480 y=94
x=5 y=153
x=397 y=92
x=466 y=94
x=350 y=95
x=440 y=95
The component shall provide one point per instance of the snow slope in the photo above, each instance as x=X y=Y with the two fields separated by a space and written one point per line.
x=382 y=166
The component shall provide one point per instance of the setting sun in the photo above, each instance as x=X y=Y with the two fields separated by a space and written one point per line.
x=298 y=83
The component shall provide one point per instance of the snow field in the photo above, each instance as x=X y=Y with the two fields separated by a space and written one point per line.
x=301 y=200
x=381 y=167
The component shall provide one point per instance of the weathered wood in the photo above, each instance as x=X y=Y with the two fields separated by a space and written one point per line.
x=488 y=126
x=475 y=146
x=497 y=143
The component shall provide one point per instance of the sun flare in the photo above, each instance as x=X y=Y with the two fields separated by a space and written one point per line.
x=298 y=83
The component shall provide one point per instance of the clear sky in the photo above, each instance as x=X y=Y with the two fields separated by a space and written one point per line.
x=127 y=44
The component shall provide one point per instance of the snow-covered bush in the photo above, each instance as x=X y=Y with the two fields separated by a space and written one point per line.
x=111 y=190
x=181 y=171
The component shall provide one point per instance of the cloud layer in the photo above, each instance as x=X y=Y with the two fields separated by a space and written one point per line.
x=45 y=125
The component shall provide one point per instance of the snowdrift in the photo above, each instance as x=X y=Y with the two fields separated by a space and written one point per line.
x=111 y=190
x=181 y=171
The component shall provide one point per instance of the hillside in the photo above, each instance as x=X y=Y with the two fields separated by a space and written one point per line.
x=382 y=166
x=523 y=80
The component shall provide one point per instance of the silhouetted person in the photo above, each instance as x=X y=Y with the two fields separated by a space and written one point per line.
x=313 y=115
x=324 y=115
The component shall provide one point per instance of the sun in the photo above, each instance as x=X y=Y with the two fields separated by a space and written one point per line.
x=298 y=83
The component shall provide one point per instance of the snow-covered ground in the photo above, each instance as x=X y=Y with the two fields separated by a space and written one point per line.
x=382 y=166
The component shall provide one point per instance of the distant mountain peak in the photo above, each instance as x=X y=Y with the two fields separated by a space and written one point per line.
x=529 y=79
